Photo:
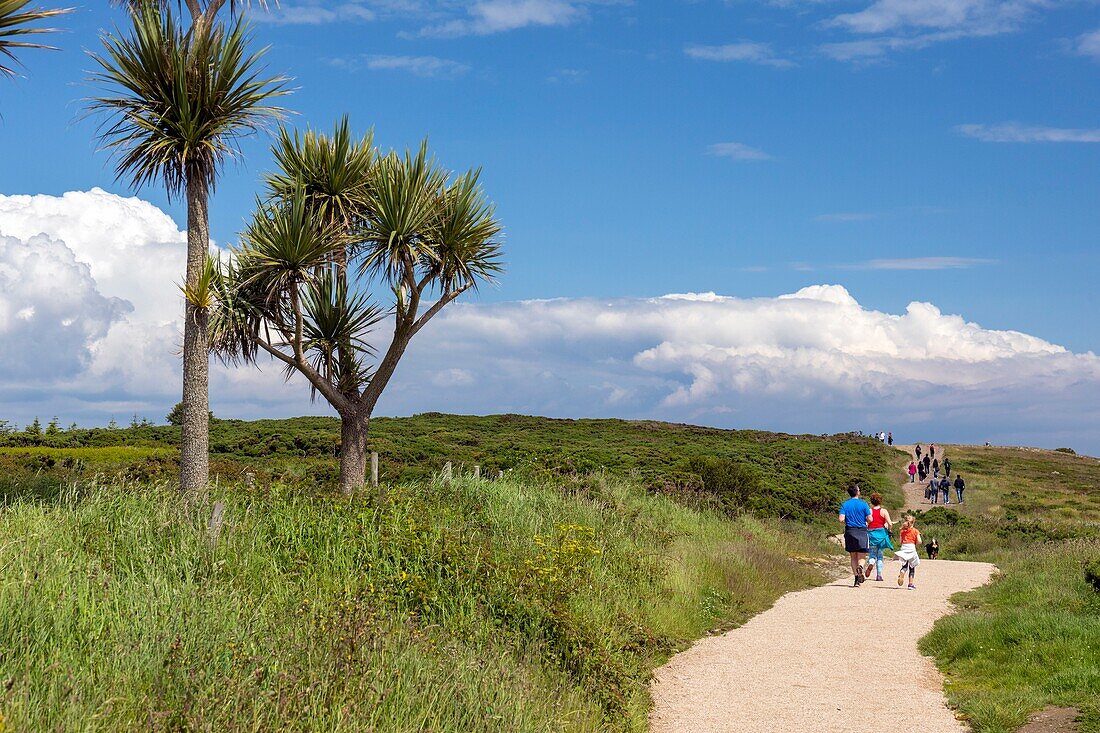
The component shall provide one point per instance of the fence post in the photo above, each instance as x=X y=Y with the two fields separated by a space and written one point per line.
x=374 y=469
x=214 y=526
x=477 y=471
x=500 y=475
x=447 y=471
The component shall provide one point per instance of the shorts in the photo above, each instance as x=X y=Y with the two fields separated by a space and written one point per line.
x=855 y=539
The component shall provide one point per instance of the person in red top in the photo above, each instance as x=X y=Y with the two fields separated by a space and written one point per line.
x=878 y=536
x=912 y=471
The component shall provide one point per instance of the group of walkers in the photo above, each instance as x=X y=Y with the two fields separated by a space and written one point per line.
x=928 y=468
x=867 y=536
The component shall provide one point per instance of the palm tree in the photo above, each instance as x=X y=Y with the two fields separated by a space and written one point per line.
x=296 y=287
x=15 y=23
x=176 y=101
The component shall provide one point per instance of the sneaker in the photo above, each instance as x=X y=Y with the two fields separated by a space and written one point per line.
x=867 y=570
x=878 y=577
x=901 y=578
x=912 y=587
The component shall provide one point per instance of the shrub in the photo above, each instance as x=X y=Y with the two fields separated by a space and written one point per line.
x=733 y=484
x=1070 y=451
x=1092 y=573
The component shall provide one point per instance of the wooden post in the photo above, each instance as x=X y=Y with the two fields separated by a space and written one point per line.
x=214 y=526
x=477 y=471
x=374 y=469
x=500 y=475
x=447 y=471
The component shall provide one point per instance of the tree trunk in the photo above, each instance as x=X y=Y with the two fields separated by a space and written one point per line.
x=195 y=445
x=353 y=451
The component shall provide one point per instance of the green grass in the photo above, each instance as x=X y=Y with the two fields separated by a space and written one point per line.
x=1032 y=637
x=516 y=605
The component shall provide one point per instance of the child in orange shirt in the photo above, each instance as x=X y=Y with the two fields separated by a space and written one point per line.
x=910 y=540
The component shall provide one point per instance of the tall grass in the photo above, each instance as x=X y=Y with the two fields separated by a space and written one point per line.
x=468 y=606
x=1028 y=640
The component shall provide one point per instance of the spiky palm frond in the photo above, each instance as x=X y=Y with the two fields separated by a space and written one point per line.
x=333 y=171
x=239 y=316
x=402 y=212
x=177 y=101
x=336 y=326
x=16 y=22
x=285 y=245
x=466 y=247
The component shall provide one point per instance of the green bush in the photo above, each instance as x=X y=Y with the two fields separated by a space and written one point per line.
x=1092 y=573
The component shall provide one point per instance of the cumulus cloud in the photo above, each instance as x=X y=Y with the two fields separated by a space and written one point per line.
x=90 y=311
x=90 y=329
x=1014 y=132
x=737 y=151
x=747 y=51
x=812 y=361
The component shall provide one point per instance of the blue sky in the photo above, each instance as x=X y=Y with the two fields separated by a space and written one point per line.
x=909 y=150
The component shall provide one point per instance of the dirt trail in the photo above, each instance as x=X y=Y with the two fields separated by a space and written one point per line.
x=834 y=659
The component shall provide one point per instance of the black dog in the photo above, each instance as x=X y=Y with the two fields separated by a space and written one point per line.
x=933 y=548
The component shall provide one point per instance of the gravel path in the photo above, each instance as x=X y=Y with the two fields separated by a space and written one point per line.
x=834 y=659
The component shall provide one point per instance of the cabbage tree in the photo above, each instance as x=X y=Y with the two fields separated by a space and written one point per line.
x=342 y=230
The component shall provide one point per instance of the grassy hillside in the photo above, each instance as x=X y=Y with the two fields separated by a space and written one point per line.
x=1032 y=637
x=793 y=476
x=539 y=602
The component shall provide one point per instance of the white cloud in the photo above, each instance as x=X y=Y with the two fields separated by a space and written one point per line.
x=485 y=17
x=898 y=25
x=424 y=66
x=972 y=17
x=96 y=276
x=737 y=151
x=313 y=14
x=919 y=263
x=1013 y=132
x=1088 y=44
x=89 y=329
x=748 y=51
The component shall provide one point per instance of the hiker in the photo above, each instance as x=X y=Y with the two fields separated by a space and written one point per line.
x=936 y=468
x=932 y=490
x=912 y=472
x=918 y=452
x=932 y=450
x=878 y=536
x=945 y=487
x=854 y=513
x=920 y=473
x=927 y=464
x=908 y=556
x=960 y=485
x=947 y=467
x=890 y=437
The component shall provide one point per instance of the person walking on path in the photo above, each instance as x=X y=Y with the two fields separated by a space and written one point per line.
x=918 y=452
x=932 y=450
x=960 y=485
x=932 y=490
x=936 y=468
x=912 y=472
x=910 y=540
x=878 y=536
x=947 y=467
x=945 y=487
x=927 y=464
x=890 y=437
x=854 y=513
